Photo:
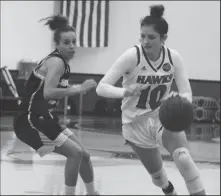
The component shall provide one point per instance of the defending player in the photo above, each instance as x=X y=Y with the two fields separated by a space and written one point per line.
x=37 y=126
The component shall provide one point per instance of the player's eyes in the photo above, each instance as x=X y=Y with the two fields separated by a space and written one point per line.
x=151 y=37
x=142 y=36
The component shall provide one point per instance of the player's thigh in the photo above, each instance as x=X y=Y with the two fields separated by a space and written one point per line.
x=71 y=135
x=173 y=140
x=150 y=157
x=74 y=138
x=86 y=154
x=67 y=132
x=26 y=133
x=48 y=125
x=69 y=149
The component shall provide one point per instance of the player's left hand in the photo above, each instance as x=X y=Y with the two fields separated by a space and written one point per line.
x=187 y=95
x=171 y=94
x=132 y=90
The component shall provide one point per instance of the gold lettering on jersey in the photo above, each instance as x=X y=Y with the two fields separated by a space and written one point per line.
x=154 y=79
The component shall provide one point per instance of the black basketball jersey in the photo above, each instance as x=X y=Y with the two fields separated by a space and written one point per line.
x=34 y=100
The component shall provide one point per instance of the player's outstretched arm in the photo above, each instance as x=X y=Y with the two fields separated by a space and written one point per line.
x=55 y=69
x=125 y=63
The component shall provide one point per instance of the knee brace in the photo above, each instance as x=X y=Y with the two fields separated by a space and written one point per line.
x=160 y=178
x=188 y=170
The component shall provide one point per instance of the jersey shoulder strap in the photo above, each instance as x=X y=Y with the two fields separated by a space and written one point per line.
x=169 y=55
x=138 y=54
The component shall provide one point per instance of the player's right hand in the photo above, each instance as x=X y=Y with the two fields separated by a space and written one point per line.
x=88 y=84
x=132 y=90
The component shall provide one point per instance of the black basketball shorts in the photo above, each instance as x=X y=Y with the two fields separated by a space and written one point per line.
x=40 y=133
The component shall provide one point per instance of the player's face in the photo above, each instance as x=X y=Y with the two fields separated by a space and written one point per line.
x=67 y=44
x=150 y=39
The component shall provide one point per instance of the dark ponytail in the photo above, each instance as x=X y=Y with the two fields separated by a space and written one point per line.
x=156 y=19
x=59 y=24
x=156 y=11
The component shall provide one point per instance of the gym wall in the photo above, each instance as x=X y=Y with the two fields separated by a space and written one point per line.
x=22 y=36
x=194 y=33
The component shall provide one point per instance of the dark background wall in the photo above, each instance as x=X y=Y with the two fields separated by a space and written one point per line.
x=93 y=104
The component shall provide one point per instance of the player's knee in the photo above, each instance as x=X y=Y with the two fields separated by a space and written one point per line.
x=185 y=164
x=160 y=178
x=188 y=170
x=86 y=156
x=76 y=154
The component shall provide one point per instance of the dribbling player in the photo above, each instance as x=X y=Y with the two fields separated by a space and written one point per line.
x=148 y=71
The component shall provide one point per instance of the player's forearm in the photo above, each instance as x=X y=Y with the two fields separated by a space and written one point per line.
x=59 y=93
x=185 y=90
x=109 y=91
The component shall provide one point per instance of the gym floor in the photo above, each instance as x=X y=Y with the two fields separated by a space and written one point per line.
x=117 y=171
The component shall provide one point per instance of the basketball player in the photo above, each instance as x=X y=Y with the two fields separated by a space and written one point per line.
x=148 y=71
x=37 y=126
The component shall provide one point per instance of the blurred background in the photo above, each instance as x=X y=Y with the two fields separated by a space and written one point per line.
x=105 y=29
x=194 y=31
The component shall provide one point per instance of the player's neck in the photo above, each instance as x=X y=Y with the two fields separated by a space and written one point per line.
x=155 y=55
x=66 y=59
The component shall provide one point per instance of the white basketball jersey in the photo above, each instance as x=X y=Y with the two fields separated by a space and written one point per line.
x=155 y=80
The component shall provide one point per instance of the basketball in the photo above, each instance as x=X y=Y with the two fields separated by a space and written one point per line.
x=176 y=113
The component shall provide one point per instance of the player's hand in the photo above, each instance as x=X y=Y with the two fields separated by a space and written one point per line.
x=88 y=84
x=171 y=94
x=132 y=90
x=187 y=95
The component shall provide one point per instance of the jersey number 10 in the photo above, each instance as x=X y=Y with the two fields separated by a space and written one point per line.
x=156 y=95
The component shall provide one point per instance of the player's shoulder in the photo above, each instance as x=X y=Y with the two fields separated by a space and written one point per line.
x=174 y=53
x=131 y=52
x=55 y=59
x=176 y=57
x=129 y=56
x=54 y=62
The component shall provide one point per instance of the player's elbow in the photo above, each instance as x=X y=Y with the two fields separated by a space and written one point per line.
x=100 y=89
x=47 y=94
